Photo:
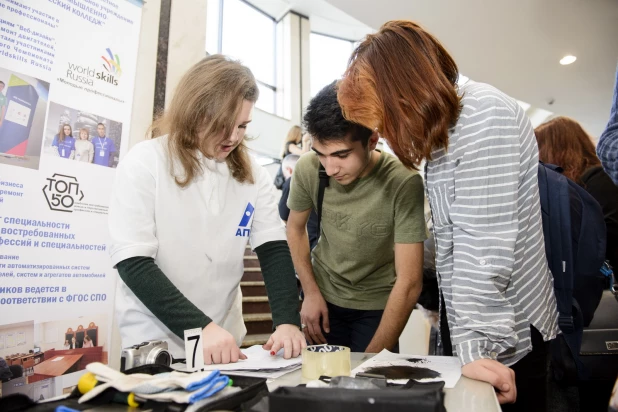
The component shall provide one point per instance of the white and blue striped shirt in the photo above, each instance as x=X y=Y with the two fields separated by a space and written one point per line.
x=490 y=252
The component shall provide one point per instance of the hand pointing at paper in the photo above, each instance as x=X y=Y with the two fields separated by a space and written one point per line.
x=220 y=346
x=288 y=337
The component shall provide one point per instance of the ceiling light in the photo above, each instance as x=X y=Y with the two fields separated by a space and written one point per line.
x=567 y=60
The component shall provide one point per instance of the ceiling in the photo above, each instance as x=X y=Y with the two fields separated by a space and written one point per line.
x=324 y=17
x=516 y=46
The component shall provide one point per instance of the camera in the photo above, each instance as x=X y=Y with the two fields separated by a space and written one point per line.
x=145 y=353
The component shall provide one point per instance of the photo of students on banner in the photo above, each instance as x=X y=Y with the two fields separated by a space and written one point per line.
x=73 y=134
x=23 y=102
x=64 y=142
x=47 y=354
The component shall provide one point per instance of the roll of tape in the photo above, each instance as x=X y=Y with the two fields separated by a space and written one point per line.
x=325 y=360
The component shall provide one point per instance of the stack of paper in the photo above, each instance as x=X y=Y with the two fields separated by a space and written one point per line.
x=260 y=364
x=401 y=368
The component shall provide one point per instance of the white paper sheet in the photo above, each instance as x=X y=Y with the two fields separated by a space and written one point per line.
x=259 y=359
x=274 y=374
x=59 y=358
x=448 y=367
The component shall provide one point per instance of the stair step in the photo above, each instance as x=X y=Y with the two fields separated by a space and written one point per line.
x=257 y=317
x=252 y=283
x=257 y=339
x=253 y=290
x=251 y=262
x=255 y=299
x=255 y=304
x=258 y=323
x=252 y=274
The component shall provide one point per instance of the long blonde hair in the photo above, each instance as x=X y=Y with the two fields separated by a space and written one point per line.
x=295 y=135
x=207 y=102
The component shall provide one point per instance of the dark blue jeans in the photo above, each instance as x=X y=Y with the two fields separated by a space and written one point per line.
x=353 y=328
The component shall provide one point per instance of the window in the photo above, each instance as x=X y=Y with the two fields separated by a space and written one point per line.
x=241 y=31
x=328 y=59
x=213 y=26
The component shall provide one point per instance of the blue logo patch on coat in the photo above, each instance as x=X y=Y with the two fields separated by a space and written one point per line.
x=243 y=230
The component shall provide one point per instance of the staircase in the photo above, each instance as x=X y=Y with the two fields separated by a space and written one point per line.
x=256 y=311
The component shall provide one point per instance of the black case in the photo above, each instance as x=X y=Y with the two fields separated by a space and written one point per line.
x=252 y=389
x=599 y=350
x=599 y=354
x=418 y=398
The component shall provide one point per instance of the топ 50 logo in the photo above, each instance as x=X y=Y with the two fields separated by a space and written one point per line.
x=61 y=192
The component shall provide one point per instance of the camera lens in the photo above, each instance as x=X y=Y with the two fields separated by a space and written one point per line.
x=158 y=354
x=163 y=358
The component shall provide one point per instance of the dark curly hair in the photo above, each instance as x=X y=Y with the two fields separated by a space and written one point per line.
x=324 y=119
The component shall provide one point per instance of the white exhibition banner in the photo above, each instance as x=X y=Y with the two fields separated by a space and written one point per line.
x=67 y=74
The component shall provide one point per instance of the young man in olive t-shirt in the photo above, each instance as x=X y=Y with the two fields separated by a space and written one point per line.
x=365 y=274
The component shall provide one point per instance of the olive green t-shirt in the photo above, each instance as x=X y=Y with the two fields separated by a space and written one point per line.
x=354 y=260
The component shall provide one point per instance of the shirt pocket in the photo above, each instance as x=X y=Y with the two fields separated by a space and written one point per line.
x=441 y=200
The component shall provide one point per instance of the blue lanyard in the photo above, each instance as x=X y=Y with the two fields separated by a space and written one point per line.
x=101 y=145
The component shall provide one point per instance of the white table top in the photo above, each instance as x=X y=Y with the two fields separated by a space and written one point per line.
x=468 y=395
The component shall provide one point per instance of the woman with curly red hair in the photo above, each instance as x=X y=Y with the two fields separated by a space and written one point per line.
x=563 y=142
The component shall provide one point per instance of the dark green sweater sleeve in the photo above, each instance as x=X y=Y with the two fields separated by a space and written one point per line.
x=280 y=280
x=148 y=282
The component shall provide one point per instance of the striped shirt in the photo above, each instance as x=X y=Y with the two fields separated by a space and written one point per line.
x=490 y=252
x=607 y=149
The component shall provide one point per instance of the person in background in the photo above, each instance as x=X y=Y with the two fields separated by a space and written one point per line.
x=294 y=143
x=5 y=371
x=288 y=165
x=183 y=209
x=481 y=181
x=306 y=142
x=291 y=146
x=87 y=342
x=73 y=343
x=67 y=345
x=84 y=149
x=607 y=149
x=563 y=142
x=363 y=278
x=64 y=142
x=103 y=147
x=2 y=102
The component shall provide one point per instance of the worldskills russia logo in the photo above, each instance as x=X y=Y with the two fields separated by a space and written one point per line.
x=112 y=63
